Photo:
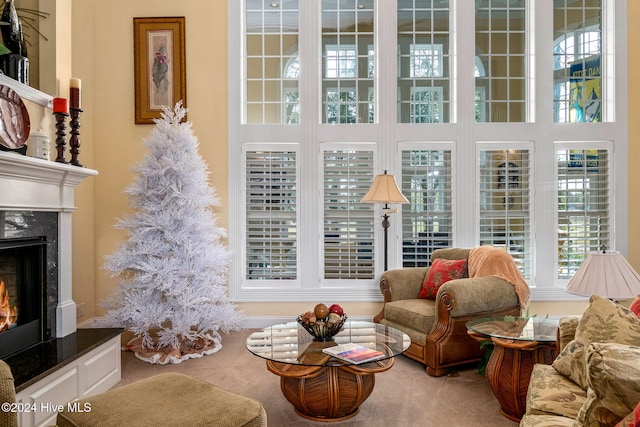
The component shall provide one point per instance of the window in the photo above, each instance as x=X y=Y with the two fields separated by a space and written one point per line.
x=348 y=75
x=576 y=61
x=423 y=62
x=426 y=105
x=348 y=224
x=427 y=222
x=494 y=136
x=583 y=206
x=271 y=40
x=505 y=203
x=271 y=214
x=501 y=45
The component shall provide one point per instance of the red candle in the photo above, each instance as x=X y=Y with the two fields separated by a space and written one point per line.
x=74 y=91
x=60 y=105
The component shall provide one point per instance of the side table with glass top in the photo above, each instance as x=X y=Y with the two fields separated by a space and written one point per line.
x=321 y=387
x=518 y=344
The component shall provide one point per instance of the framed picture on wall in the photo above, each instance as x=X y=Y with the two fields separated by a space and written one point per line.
x=159 y=62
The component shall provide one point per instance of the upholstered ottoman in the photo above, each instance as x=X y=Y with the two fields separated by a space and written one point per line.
x=166 y=400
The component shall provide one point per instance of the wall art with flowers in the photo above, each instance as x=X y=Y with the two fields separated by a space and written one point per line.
x=159 y=55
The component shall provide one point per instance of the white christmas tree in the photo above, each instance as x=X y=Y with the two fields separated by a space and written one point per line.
x=172 y=269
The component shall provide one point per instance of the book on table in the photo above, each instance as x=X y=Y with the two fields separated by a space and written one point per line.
x=353 y=353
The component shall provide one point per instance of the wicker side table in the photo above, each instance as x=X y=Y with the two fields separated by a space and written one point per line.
x=511 y=362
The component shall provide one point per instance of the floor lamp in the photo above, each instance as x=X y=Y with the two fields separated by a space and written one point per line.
x=606 y=274
x=384 y=189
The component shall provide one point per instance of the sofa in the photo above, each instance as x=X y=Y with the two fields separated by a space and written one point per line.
x=435 y=320
x=595 y=379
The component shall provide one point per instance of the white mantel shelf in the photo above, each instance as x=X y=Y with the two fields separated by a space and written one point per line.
x=29 y=183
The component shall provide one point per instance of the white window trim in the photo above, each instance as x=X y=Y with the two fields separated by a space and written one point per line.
x=615 y=69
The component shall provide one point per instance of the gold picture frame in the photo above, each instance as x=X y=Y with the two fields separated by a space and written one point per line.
x=160 y=69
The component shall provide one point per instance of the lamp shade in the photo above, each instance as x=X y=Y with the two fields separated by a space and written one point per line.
x=607 y=274
x=384 y=189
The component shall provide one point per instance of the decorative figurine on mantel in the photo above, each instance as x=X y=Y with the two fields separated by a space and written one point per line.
x=14 y=120
x=61 y=112
x=74 y=141
x=14 y=64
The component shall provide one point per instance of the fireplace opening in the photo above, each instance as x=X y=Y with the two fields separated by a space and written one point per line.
x=22 y=290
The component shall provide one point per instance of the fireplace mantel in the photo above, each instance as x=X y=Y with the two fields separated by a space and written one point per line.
x=32 y=183
x=29 y=183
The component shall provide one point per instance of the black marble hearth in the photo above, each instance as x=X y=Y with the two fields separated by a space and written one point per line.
x=35 y=363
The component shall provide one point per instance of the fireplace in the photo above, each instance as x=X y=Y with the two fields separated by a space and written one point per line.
x=22 y=290
x=28 y=278
x=67 y=363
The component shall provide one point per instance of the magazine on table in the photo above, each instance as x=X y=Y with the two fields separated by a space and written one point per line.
x=353 y=353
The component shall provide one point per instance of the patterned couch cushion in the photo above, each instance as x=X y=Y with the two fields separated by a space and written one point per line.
x=546 y=421
x=614 y=384
x=603 y=321
x=567 y=330
x=551 y=393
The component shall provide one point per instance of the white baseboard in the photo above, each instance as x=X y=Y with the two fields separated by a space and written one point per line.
x=250 y=322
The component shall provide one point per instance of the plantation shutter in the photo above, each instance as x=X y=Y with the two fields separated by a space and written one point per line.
x=583 y=206
x=348 y=224
x=505 y=203
x=271 y=215
x=427 y=220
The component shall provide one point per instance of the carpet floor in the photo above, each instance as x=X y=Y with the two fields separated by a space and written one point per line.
x=403 y=396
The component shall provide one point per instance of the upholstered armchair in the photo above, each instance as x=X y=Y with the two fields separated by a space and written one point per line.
x=437 y=327
x=8 y=418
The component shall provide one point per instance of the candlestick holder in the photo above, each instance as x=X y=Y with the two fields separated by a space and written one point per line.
x=74 y=141
x=61 y=140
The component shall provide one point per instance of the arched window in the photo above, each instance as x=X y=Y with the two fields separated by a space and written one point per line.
x=577 y=79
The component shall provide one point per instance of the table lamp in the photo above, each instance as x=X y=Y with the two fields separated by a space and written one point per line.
x=607 y=274
x=384 y=189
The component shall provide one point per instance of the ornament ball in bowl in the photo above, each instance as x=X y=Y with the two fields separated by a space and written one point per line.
x=323 y=322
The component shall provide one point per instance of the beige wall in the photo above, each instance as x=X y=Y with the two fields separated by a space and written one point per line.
x=102 y=34
x=634 y=135
x=103 y=59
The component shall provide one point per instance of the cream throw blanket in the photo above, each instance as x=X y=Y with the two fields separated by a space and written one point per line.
x=492 y=261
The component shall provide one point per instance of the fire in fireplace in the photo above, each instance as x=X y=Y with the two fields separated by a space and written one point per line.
x=22 y=289
x=8 y=312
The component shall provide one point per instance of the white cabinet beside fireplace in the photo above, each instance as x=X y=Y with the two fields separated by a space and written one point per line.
x=91 y=374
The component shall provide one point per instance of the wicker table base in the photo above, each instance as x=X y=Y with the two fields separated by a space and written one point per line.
x=509 y=370
x=327 y=393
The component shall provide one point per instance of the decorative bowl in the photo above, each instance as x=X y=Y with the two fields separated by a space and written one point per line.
x=325 y=329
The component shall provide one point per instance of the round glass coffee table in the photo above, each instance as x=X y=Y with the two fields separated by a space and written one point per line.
x=321 y=387
x=518 y=344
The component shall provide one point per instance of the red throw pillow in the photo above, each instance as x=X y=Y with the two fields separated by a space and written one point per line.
x=441 y=271
x=635 y=306
x=633 y=419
